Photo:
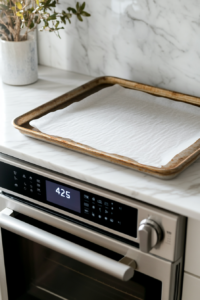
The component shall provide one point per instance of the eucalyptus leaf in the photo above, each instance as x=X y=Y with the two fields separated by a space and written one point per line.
x=72 y=10
x=31 y=25
x=82 y=6
x=77 y=6
x=19 y=5
x=4 y=7
x=85 y=14
x=30 y=10
x=79 y=17
x=52 y=17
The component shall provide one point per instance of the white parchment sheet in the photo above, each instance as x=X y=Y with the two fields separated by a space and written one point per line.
x=145 y=128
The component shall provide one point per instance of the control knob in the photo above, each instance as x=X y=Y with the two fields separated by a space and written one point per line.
x=150 y=235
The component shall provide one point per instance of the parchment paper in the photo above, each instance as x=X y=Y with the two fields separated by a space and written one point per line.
x=150 y=130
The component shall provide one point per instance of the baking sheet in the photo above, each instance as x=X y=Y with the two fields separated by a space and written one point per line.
x=148 y=129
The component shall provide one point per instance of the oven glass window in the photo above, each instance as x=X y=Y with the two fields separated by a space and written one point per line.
x=34 y=272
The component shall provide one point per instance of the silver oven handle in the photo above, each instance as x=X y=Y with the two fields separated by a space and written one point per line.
x=121 y=270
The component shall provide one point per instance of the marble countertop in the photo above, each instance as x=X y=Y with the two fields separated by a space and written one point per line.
x=181 y=195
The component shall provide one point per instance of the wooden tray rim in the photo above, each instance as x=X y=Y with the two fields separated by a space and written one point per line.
x=158 y=172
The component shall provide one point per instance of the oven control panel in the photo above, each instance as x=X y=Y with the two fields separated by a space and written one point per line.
x=152 y=229
x=66 y=198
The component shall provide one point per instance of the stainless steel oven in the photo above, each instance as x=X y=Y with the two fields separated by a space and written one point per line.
x=62 y=238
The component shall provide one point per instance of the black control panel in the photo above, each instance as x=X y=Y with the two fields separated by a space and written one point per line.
x=97 y=209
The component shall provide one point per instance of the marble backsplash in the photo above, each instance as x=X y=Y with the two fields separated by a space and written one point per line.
x=156 y=42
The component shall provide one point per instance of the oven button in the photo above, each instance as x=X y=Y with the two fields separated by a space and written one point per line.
x=120 y=209
x=38 y=180
x=106 y=218
x=99 y=216
x=150 y=235
x=106 y=211
x=16 y=185
x=112 y=220
x=86 y=197
x=93 y=206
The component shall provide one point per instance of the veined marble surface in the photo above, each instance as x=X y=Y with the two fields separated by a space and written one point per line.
x=156 y=42
x=181 y=195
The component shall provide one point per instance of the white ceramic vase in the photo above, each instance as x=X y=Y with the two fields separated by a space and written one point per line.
x=19 y=61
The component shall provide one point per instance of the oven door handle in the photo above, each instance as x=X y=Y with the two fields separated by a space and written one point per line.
x=123 y=270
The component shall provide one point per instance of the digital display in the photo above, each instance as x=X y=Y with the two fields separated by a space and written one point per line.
x=63 y=196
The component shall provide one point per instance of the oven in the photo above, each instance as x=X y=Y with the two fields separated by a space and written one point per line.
x=61 y=238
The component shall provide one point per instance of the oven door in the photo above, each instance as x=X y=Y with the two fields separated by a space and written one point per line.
x=40 y=262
